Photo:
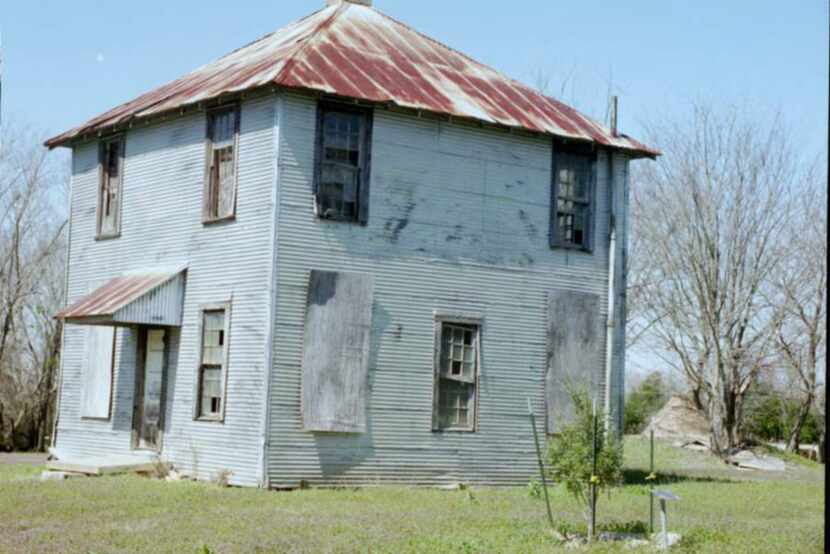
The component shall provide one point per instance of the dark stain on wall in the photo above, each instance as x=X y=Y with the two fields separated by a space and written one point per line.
x=395 y=225
x=322 y=287
x=456 y=234
x=531 y=229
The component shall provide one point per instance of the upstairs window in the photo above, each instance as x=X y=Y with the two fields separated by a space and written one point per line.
x=220 y=187
x=111 y=155
x=456 y=375
x=341 y=184
x=572 y=193
x=213 y=363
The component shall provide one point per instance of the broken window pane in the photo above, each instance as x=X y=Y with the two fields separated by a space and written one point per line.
x=573 y=200
x=455 y=404
x=457 y=379
x=221 y=189
x=110 y=193
x=213 y=363
x=341 y=164
x=211 y=400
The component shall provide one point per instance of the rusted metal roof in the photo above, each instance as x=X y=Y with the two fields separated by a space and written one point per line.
x=151 y=297
x=355 y=51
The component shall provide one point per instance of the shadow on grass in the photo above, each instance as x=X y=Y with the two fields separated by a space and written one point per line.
x=635 y=527
x=640 y=477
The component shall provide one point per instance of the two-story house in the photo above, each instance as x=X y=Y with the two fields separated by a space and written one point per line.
x=344 y=253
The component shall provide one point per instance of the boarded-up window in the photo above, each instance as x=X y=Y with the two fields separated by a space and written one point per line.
x=575 y=348
x=96 y=389
x=456 y=375
x=342 y=172
x=220 y=190
x=213 y=363
x=572 y=200
x=338 y=325
x=111 y=156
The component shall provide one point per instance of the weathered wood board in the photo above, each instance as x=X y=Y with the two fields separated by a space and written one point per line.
x=575 y=348
x=97 y=378
x=338 y=325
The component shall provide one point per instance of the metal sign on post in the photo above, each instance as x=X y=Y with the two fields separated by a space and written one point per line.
x=663 y=497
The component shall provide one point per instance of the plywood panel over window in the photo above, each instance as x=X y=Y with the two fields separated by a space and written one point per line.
x=575 y=341
x=96 y=389
x=338 y=326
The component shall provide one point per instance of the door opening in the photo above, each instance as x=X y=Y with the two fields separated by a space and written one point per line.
x=151 y=376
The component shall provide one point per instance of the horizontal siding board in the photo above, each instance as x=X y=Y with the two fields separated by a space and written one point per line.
x=458 y=221
x=162 y=226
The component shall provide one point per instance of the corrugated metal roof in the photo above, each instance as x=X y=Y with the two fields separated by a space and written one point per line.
x=151 y=297
x=357 y=52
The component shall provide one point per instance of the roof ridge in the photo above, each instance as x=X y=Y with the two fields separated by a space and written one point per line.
x=312 y=36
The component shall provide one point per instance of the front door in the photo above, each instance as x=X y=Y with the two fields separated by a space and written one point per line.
x=148 y=415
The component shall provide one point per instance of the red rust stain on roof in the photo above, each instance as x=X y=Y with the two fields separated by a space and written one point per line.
x=113 y=295
x=355 y=51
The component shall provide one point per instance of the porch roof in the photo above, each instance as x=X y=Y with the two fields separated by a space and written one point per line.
x=147 y=297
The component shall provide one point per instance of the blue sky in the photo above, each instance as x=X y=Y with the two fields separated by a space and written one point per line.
x=65 y=62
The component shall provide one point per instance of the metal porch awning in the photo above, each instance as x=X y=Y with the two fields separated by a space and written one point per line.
x=150 y=297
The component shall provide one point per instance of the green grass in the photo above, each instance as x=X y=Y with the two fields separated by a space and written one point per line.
x=19 y=472
x=722 y=510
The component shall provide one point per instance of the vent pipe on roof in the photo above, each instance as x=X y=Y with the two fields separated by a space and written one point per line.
x=614 y=103
x=338 y=2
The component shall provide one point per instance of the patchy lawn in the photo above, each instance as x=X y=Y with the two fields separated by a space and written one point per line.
x=722 y=510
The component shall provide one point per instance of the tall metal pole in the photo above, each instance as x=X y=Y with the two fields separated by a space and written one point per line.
x=594 y=474
x=651 y=483
x=539 y=458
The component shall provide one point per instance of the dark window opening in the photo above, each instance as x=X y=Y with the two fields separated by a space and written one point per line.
x=572 y=210
x=342 y=172
x=109 y=197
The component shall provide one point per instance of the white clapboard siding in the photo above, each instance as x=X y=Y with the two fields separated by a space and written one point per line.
x=162 y=226
x=458 y=221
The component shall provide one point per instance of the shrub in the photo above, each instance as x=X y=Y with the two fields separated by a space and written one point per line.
x=643 y=402
x=570 y=454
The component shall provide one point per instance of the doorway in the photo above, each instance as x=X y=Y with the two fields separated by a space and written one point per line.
x=151 y=377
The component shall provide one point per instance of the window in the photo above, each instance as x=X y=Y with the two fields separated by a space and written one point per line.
x=111 y=157
x=456 y=375
x=220 y=188
x=342 y=172
x=573 y=190
x=213 y=363
x=96 y=393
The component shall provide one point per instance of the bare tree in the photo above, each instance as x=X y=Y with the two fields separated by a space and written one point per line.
x=709 y=216
x=32 y=222
x=799 y=292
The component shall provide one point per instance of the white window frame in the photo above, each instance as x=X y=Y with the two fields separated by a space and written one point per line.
x=468 y=319
x=197 y=389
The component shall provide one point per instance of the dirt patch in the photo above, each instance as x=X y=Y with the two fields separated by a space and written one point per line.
x=680 y=422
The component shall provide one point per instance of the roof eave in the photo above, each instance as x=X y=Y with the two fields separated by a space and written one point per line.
x=85 y=133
